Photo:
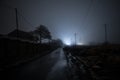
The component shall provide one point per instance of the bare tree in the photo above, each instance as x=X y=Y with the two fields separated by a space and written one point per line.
x=43 y=33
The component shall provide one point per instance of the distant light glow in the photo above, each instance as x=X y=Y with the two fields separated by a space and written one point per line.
x=67 y=42
x=80 y=43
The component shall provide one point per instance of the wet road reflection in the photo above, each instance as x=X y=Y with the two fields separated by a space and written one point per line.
x=49 y=67
x=58 y=71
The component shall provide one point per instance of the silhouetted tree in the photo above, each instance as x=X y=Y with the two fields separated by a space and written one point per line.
x=43 y=33
x=57 y=42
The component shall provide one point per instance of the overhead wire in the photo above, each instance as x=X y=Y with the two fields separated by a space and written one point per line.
x=87 y=12
x=19 y=14
x=24 y=18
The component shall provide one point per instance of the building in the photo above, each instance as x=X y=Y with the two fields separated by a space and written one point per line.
x=21 y=35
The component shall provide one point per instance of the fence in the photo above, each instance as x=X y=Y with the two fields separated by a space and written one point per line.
x=13 y=50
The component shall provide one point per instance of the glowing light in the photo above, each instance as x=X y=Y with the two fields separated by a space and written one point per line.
x=80 y=43
x=67 y=42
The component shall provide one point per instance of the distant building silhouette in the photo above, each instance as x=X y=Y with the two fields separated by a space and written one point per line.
x=21 y=35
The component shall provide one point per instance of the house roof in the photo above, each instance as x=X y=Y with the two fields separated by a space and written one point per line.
x=21 y=34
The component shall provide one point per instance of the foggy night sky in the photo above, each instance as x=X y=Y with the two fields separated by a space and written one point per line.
x=65 y=17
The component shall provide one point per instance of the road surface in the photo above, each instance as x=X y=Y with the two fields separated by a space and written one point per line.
x=50 y=67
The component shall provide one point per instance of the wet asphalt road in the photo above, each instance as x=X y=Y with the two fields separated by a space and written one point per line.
x=50 y=67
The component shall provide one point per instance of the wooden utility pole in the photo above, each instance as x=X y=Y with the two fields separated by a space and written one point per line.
x=105 y=33
x=17 y=25
x=75 y=39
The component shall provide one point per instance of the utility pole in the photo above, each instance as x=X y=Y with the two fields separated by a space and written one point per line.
x=71 y=41
x=75 y=39
x=17 y=46
x=16 y=13
x=105 y=33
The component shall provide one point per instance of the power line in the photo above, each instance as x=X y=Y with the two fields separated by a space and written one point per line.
x=88 y=10
x=18 y=13
x=25 y=19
